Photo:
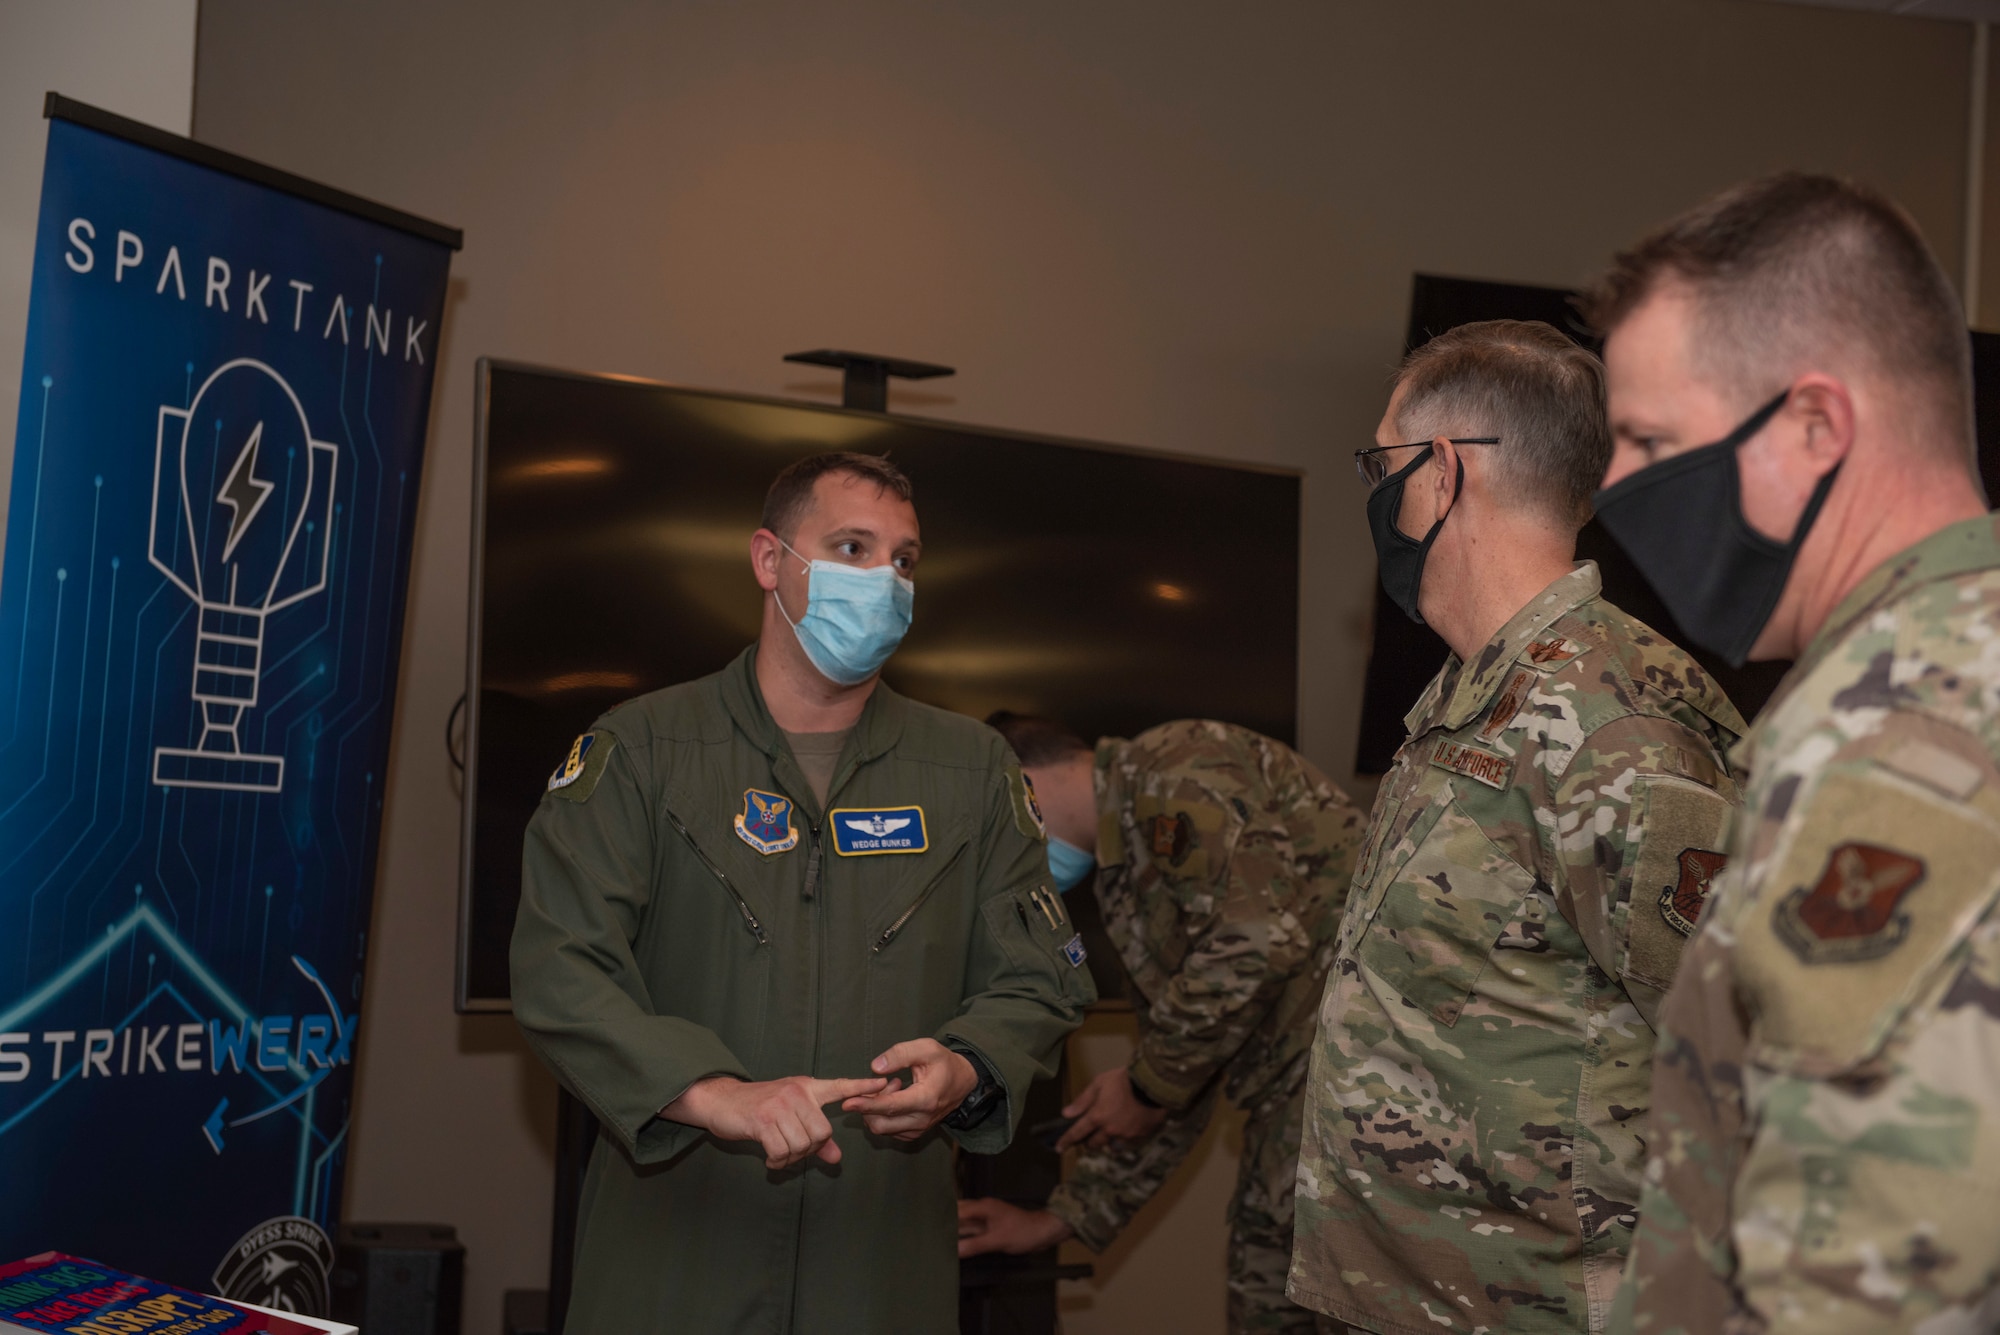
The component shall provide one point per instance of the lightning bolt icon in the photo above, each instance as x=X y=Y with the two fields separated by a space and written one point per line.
x=244 y=492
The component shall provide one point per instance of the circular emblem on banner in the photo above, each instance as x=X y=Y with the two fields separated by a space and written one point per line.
x=282 y=1263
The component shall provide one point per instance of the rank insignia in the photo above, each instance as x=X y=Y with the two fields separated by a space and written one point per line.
x=572 y=769
x=1681 y=902
x=1073 y=951
x=1171 y=837
x=866 y=832
x=765 y=823
x=1851 y=913
x=1553 y=652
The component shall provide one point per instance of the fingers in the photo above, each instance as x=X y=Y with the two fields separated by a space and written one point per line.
x=823 y=1092
x=912 y=1052
x=914 y=1099
x=1083 y=1128
x=1083 y=1102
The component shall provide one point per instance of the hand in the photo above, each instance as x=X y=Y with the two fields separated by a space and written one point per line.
x=1108 y=1110
x=939 y=1081
x=781 y=1115
x=989 y=1225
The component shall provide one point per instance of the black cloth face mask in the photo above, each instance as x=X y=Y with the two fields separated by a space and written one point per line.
x=1399 y=558
x=1681 y=522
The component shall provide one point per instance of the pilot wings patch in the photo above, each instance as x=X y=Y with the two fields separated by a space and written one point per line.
x=865 y=831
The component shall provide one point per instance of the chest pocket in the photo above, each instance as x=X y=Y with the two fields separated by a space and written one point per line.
x=1441 y=914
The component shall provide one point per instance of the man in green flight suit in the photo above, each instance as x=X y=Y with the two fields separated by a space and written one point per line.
x=1476 y=1110
x=1222 y=862
x=1791 y=400
x=764 y=894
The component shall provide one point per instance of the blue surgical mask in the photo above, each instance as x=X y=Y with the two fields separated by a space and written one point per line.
x=1069 y=864
x=854 y=618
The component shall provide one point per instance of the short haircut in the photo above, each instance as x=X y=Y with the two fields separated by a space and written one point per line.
x=1037 y=741
x=791 y=493
x=1789 y=269
x=1537 y=390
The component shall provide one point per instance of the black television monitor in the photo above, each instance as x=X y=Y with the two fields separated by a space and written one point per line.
x=1113 y=588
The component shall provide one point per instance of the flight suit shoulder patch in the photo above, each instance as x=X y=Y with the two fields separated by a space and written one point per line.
x=1684 y=832
x=1027 y=809
x=1876 y=886
x=576 y=778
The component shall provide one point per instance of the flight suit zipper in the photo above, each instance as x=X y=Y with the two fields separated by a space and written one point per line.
x=742 y=905
x=889 y=932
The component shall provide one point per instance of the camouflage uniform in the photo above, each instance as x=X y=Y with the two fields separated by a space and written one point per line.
x=1827 y=1101
x=1477 y=1100
x=1224 y=858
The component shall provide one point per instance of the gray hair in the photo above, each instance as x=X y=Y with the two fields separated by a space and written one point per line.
x=1528 y=384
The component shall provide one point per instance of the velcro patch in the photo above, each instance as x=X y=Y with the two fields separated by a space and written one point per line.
x=1877 y=881
x=1473 y=763
x=1682 y=825
x=1851 y=912
x=576 y=778
x=1553 y=652
x=1512 y=696
x=1028 y=817
x=1074 y=952
x=1681 y=902
x=866 y=832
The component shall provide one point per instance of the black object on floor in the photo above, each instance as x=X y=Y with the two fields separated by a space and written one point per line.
x=399 y=1279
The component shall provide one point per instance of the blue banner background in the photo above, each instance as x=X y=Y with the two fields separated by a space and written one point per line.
x=185 y=881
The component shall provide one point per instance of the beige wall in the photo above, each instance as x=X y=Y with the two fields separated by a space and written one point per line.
x=1185 y=226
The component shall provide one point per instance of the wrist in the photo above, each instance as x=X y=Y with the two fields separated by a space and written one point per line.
x=1139 y=1093
x=697 y=1102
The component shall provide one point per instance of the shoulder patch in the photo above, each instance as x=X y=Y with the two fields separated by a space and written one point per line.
x=1682 y=826
x=576 y=778
x=1876 y=885
x=1681 y=902
x=1488 y=768
x=1851 y=912
x=1027 y=810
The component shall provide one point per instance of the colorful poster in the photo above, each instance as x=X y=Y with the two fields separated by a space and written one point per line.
x=216 y=466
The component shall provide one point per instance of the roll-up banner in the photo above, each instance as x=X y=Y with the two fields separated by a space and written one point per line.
x=223 y=409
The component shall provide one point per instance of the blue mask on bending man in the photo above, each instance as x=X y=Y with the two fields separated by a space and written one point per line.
x=854 y=617
x=1069 y=864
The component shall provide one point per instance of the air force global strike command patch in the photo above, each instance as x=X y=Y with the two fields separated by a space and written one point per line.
x=765 y=823
x=1851 y=913
x=1680 y=903
x=576 y=778
x=860 y=832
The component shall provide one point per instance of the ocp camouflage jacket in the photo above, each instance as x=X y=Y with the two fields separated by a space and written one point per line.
x=1477 y=1099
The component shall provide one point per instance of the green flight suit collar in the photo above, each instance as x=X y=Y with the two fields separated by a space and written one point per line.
x=1469 y=691
x=1970 y=544
x=875 y=733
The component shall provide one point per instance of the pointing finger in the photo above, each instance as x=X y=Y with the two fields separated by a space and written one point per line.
x=824 y=1092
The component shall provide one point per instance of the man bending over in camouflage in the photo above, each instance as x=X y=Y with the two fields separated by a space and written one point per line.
x=1827 y=1090
x=1476 y=1112
x=1222 y=861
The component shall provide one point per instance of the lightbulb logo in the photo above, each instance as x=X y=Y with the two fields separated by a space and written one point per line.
x=242 y=511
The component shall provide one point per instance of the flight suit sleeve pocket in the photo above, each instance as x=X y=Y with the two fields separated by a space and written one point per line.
x=1442 y=914
x=1683 y=829
x=1876 y=886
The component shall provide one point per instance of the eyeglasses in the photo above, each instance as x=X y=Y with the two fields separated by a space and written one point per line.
x=1373 y=465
